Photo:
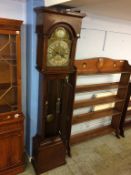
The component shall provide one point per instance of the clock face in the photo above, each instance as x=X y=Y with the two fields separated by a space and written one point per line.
x=59 y=47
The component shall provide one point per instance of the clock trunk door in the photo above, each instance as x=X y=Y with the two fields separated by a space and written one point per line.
x=54 y=91
x=59 y=97
x=66 y=113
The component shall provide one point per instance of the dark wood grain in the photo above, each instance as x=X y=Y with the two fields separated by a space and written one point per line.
x=56 y=89
x=49 y=148
x=10 y=24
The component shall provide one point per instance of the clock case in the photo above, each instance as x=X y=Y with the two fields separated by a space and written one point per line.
x=56 y=91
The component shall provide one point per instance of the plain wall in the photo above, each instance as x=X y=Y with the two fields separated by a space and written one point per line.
x=103 y=36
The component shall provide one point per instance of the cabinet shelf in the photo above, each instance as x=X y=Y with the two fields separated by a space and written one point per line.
x=96 y=87
x=97 y=101
x=94 y=115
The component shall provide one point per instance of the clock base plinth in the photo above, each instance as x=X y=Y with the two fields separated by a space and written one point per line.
x=48 y=154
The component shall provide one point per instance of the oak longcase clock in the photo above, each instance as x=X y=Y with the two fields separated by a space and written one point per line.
x=57 y=34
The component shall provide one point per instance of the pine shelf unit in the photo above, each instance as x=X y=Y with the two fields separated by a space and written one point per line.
x=102 y=66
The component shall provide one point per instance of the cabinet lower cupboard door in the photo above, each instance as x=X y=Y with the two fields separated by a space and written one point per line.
x=4 y=152
x=10 y=150
x=16 y=147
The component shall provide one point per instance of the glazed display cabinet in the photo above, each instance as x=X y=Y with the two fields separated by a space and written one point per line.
x=11 y=117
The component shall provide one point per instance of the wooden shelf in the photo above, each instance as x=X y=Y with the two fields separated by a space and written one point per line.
x=94 y=115
x=97 y=101
x=80 y=137
x=102 y=73
x=96 y=87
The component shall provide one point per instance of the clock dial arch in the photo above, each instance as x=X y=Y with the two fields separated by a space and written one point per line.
x=59 y=46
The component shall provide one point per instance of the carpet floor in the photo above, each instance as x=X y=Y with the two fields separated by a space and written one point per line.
x=105 y=155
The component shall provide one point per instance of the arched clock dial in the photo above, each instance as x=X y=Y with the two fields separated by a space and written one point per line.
x=59 y=47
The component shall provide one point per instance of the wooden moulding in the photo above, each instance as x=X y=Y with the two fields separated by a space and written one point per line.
x=60 y=12
x=14 y=170
x=101 y=65
x=10 y=24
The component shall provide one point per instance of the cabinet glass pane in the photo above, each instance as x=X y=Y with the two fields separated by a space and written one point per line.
x=8 y=73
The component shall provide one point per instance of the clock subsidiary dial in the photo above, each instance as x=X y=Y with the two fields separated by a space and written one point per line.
x=59 y=47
